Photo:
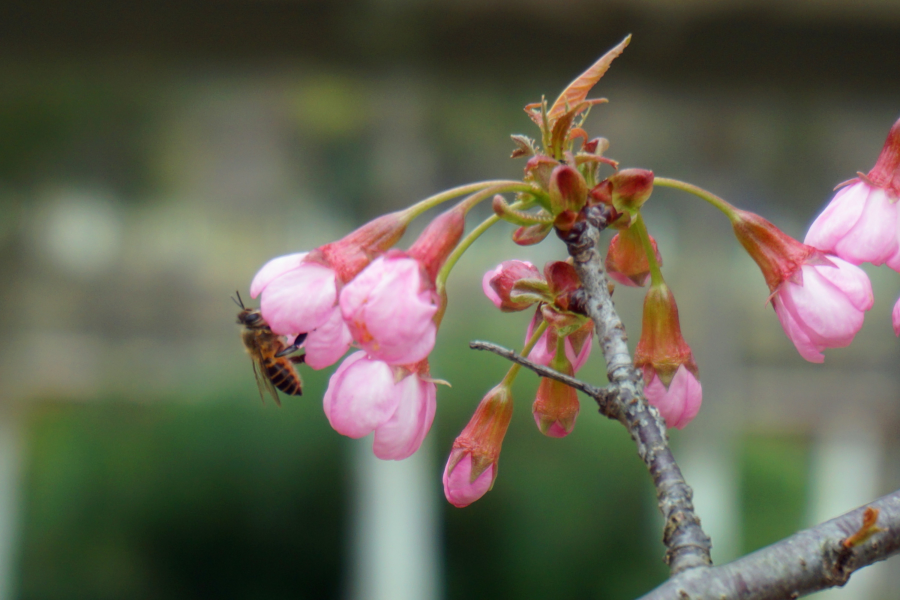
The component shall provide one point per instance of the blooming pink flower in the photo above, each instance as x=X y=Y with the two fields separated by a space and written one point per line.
x=823 y=306
x=389 y=308
x=860 y=224
x=364 y=395
x=472 y=466
x=298 y=295
x=680 y=402
x=498 y=283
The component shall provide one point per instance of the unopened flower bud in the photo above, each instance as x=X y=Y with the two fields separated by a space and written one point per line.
x=498 y=284
x=472 y=466
x=556 y=405
x=630 y=189
x=568 y=190
x=626 y=261
x=662 y=355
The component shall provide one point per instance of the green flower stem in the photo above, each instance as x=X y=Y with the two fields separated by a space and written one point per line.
x=729 y=210
x=656 y=277
x=441 y=280
x=423 y=205
x=514 y=370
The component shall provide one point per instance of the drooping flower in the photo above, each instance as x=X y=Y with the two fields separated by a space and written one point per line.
x=299 y=291
x=895 y=318
x=823 y=306
x=472 y=466
x=397 y=403
x=670 y=373
x=820 y=300
x=860 y=224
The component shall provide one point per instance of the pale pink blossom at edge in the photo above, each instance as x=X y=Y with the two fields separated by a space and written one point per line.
x=895 y=318
x=681 y=402
x=827 y=310
x=296 y=296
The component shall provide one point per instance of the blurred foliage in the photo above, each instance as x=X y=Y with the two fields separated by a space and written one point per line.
x=774 y=484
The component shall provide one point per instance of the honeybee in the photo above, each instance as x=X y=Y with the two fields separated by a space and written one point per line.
x=271 y=365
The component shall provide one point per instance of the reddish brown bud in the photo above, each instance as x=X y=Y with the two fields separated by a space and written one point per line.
x=626 y=261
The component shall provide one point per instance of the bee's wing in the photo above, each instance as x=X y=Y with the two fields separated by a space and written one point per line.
x=264 y=383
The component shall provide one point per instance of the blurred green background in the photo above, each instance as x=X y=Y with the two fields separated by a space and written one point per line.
x=154 y=156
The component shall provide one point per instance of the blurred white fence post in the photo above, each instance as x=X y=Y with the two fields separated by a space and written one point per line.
x=395 y=553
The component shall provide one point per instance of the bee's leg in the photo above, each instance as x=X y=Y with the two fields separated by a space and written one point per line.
x=298 y=341
x=298 y=360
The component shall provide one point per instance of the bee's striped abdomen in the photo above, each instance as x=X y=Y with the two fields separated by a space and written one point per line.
x=284 y=376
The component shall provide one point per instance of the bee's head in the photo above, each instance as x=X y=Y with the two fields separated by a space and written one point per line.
x=250 y=317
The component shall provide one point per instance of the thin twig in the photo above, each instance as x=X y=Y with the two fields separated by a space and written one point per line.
x=687 y=545
x=603 y=396
x=806 y=562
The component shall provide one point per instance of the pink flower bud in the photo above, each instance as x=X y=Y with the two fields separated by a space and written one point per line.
x=860 y=223
x=472 y=466
x=679 y=402
x=389 y=308
x=663 y=355
x=823 y=305
x=556 y=406
x=578 y=344
x=498 y=284
x=439 y=239
x=626 y=261
x=366 y=395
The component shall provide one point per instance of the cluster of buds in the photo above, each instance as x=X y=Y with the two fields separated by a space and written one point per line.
x=388 y=303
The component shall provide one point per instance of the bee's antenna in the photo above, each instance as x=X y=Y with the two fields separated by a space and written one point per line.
x=239 y=302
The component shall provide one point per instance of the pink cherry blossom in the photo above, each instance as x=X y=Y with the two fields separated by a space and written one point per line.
x=678 y=404
x=826 y=309
x=297 y=295
x=390 y=308
x=363 y=397
x=458 y=487
x=858 y=225
x=895 y=318
x=545 y=348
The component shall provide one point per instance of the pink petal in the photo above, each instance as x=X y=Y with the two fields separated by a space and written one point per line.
x=299 y=300
x=388 y=313
x=459 y=490
x=851 y=280
x=403 y=433
x=275 y=268
x=796 y=333
x=838 y=218
x=874 y=236
x=486 y=286
x=895 y=318
x=681 y=402
x=581 y=358
x=822 y=309
x=328 y=342
x=360 y=396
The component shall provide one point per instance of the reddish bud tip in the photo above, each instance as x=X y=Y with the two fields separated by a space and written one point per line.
x=886 y=172
x=568 y=190
x=626 y=261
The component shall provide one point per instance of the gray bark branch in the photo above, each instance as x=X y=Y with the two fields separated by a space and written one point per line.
x=687 y=545
x=806 y=562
